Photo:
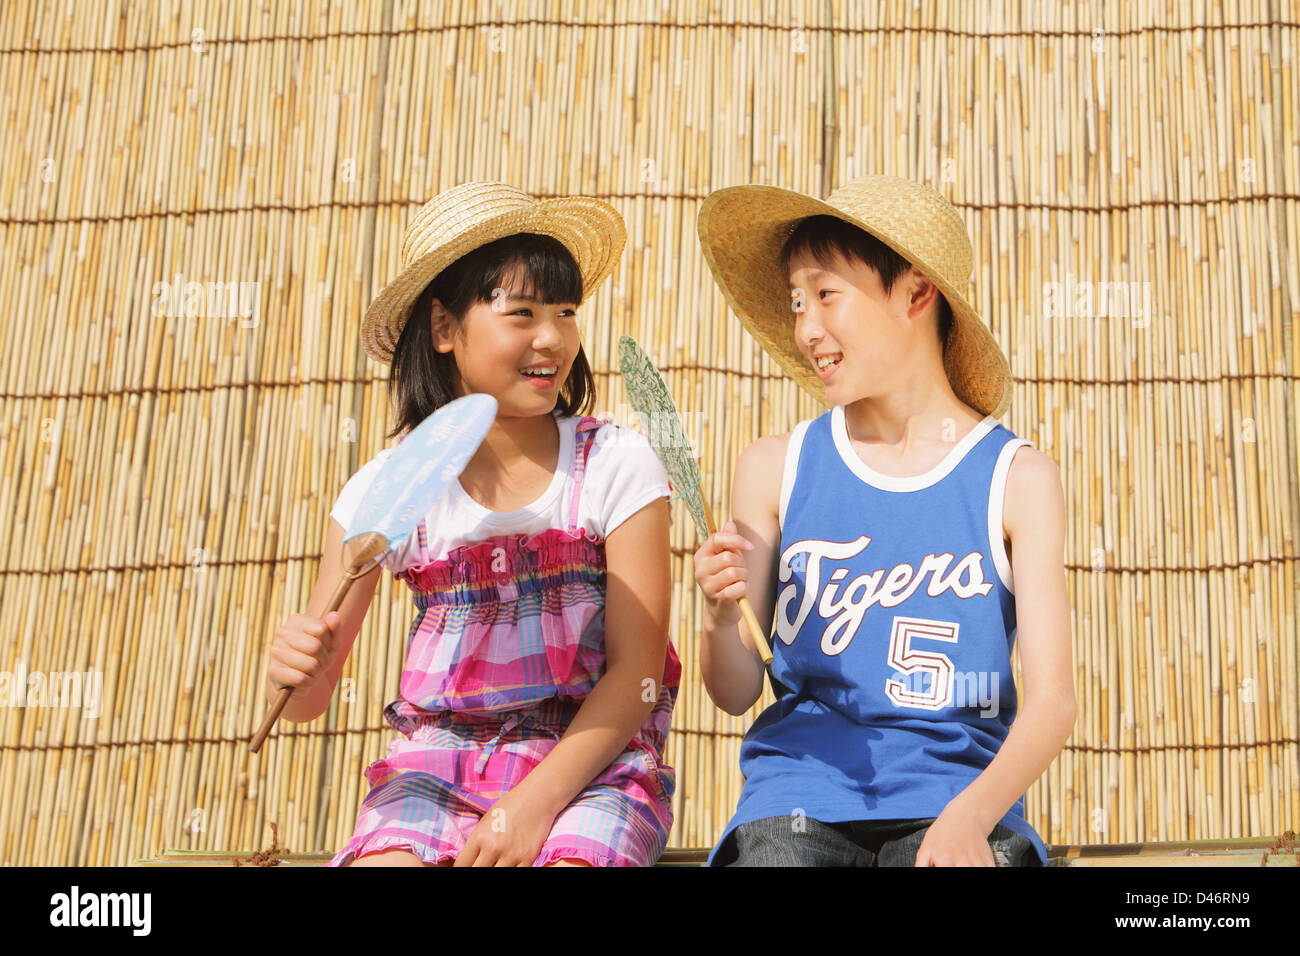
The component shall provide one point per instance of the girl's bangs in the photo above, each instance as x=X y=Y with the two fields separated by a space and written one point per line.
x=532 y=266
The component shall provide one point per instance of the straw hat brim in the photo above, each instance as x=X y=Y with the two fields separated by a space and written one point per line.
x=592 y=231
x=742 y=230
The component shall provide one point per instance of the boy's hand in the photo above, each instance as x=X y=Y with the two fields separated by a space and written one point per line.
x=720 y=571
x=955 y=838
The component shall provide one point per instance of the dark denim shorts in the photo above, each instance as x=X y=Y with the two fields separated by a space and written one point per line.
x=803 y=841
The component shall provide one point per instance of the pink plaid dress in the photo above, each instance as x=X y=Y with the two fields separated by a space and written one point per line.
x=507 y=642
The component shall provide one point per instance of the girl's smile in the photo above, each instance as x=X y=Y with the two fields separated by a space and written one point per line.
x=542 y=376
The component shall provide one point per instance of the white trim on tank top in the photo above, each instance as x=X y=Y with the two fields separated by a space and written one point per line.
x=840 y=432
x=791 y=466
x=997 y=495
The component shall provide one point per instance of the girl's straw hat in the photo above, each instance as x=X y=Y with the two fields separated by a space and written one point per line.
x=742 y=229
x=460 y=219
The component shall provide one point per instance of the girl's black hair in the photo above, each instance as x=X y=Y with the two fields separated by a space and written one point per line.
x=819 y=236
x=422 y=379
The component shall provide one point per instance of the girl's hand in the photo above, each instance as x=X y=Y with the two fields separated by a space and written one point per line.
x=510 y=834
x=720 y=571
x=955 y=839
x=302 y=652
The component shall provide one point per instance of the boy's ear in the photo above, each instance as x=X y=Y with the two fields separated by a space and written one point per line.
x=440 y=324
x=919 y=288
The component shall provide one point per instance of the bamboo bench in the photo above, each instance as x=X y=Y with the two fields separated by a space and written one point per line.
x=1254 y=851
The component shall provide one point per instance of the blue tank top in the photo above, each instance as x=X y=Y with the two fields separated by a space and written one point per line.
x=894 y=623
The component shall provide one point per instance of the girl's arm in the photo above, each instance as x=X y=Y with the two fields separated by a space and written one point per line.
x=637 y=602
x=352 y=612
x=729 y=663
x=1034 y=520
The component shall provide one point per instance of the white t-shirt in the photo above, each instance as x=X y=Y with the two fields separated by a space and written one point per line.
x=623 y=475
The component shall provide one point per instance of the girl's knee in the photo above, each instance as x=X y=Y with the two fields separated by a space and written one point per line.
x=568 y=861
x=394 y=857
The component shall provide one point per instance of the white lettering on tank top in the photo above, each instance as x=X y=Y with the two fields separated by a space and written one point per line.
x=844 y=610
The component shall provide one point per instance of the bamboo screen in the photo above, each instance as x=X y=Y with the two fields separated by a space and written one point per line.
x=168 y=472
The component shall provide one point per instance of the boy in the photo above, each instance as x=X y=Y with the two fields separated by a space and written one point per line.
x=877 y=538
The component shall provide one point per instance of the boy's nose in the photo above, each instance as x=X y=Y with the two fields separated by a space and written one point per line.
x=808 y=329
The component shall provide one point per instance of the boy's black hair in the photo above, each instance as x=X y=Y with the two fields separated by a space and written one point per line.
x=819 y=236
x=422 y=379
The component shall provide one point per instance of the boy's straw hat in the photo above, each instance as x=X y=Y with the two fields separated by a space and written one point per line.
x=462 y=218
x=742 y=229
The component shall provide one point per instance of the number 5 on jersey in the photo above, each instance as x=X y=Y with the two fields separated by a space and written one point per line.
x=916 y=664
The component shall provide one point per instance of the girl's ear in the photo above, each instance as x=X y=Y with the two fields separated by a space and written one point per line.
x=440 y=324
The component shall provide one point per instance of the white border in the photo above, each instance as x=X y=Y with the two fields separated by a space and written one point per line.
x=791 y=466
x=997 y=494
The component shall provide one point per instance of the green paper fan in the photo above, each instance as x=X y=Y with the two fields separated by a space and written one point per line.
x=662 y=426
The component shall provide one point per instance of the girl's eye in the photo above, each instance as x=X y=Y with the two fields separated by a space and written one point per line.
x=825 y=292
x=526 y=311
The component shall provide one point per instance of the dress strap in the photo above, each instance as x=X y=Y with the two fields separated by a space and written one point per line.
x=583 y=436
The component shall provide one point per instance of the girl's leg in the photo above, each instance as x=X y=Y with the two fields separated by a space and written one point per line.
x=568 y=863
x=394 y=857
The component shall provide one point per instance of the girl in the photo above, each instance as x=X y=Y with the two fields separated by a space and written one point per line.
x=539 y=681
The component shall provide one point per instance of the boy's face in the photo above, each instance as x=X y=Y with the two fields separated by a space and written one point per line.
x=854 y=336
x=499 y=339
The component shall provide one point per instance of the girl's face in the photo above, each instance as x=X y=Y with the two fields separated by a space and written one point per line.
x=854 y=336
x=513 y=348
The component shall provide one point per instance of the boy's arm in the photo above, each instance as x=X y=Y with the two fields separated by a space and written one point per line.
x=729 y=663
x=1034 y=520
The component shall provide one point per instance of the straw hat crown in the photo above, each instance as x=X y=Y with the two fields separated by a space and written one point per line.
x=742 y=230
x=909 y=215
x=460 y=219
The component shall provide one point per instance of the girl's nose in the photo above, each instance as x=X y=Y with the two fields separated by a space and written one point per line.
x=548 y=337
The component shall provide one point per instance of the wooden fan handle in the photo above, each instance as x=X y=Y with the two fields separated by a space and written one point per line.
x=336 y=600
x=755 y=632
x=746 y=609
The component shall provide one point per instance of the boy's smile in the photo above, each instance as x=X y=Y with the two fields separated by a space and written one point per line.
x=827 y=363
